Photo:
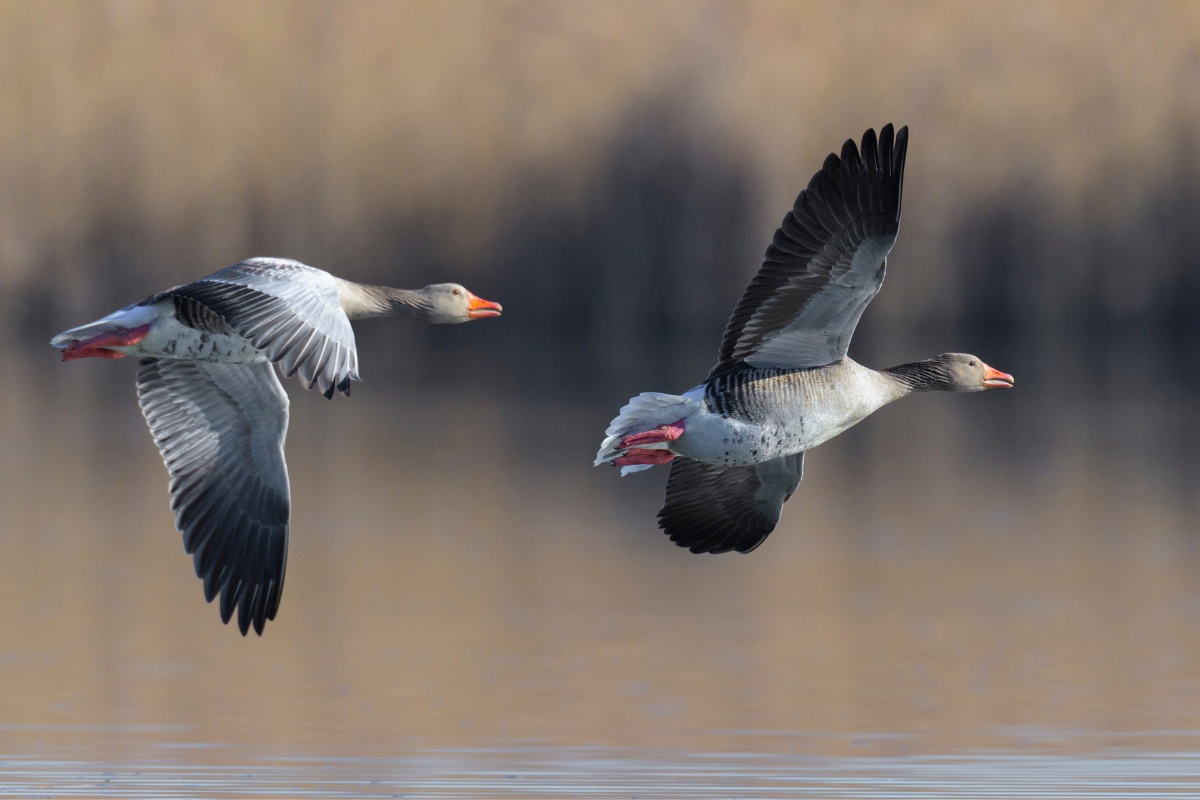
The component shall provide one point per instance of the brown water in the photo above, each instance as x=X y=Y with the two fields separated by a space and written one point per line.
x=472 y=610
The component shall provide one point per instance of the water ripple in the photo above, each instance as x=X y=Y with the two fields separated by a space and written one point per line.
x=607 y=773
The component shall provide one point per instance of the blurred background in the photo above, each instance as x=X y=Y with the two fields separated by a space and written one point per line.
x=955 y=572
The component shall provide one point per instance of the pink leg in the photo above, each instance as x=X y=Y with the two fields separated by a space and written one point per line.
x=639 y=456
x=97 y=346
x=663 y=433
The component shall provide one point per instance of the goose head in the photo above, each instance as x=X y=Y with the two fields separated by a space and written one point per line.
x=451 y=303
x=963 y=372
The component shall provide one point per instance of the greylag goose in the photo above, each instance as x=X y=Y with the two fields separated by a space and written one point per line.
x=207 y=386
x=783 y=383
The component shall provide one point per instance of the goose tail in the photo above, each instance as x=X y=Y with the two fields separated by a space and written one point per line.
x=647 y=411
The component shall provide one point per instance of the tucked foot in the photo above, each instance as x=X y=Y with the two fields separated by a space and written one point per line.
x=640 y=457
x=663 y=433
x=98 y=346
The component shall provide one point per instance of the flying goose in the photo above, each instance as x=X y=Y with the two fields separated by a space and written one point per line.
x=783 y=383
x=208 y=389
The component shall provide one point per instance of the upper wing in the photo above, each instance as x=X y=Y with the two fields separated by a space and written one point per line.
x=711 y=509
x=826 y=262
x=288 y=310
x=220 y=429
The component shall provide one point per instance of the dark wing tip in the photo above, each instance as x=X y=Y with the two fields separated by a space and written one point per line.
x=886 y=155
x=254 y=607
x=714 y=536
x=850 y=155
x=711 y=509
x=227 y=603
x=716 y=509
x=870 y=151
x=748 y=546
x=832 y=165
x=901 y=151
x=887 y=141
x=244 y=624
x=252 y=612
x=898 y=165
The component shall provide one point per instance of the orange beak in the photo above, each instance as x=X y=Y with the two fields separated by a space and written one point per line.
x=994 y=378
x=477 y=307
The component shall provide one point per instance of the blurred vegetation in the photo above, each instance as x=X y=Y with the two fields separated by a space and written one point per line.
x=612 y=172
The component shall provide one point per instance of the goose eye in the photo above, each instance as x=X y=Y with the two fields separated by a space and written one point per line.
x=972 y=363
x=456 y=294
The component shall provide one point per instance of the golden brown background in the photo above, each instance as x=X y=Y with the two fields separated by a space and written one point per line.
x=954 y=573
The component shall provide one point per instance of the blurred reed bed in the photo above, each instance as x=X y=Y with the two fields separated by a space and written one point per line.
x=611 y=168
x=613 y=174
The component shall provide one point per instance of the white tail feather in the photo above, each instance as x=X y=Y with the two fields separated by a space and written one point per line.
x=128 y=317
x=643 y=413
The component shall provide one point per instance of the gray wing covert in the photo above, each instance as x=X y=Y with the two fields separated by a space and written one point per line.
x=290 y=311
x=220 y=429
x=715 y=509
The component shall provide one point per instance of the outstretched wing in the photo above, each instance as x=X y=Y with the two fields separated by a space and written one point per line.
x=826 y=262
x=712 y=509
x=220 y=429
x=288 y=310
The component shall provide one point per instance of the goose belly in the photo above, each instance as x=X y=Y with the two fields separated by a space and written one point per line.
x=737 y=442
x=731 y=442
x=169 y=338
x=777 y=414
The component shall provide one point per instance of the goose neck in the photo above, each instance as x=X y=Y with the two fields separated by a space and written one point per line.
x=920 y=376
x=361 y=301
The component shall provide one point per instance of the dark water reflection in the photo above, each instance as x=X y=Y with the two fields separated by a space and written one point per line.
x=952 y=606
